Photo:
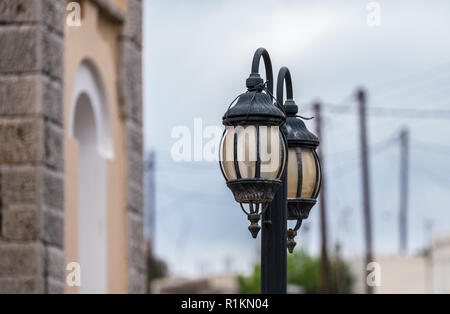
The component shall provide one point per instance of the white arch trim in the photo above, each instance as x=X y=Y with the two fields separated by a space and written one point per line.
x=88 y=81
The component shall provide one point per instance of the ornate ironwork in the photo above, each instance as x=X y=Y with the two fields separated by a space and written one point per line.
x=298 y=136
x=258 y=107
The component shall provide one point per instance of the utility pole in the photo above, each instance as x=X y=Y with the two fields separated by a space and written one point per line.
x=428 y=226
x=361 y=95
x=325 y=273
x=339 y=270
x=404 y=184
x=149 y=214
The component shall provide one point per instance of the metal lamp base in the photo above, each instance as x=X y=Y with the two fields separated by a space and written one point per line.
x=254 y=190
x=299 y=208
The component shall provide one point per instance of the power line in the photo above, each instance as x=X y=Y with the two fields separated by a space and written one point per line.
x=386 y=144
x=435 y=147
x=417 y=76
x=435 y=177
x=411 y=94
x=374 y=149
x=414 y=113
x=349 y=165
x=440 y=168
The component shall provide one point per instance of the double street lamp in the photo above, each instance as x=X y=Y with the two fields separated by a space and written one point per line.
x=268 y=158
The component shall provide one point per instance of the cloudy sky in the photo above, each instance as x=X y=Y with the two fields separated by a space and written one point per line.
x=197 y=56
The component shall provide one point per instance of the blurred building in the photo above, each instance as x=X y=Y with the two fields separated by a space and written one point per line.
x=426 y=273
x=440 y=256
x=71 y=146
x=226 y=284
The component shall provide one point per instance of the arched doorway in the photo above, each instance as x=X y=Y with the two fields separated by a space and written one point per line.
x=90 y=127
x=91 y=200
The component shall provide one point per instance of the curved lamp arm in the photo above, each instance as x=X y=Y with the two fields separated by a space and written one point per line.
x=284 y=76
x=262 y=52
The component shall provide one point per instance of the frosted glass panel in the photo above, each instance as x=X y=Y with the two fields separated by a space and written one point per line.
x=246 y=150
x=228 y=154
x=292 y=173
x=271 y=151
x=309 y=173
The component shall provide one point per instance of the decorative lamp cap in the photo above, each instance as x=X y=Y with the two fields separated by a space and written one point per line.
x=253 y=81
x=254 y=106
x=295 y=129
x=291 y=108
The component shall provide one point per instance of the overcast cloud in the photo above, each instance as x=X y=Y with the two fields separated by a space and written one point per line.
x=197 y=57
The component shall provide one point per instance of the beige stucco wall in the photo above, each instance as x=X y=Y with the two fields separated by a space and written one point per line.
x=398 y=275
x=121 y=4
x=97 y=40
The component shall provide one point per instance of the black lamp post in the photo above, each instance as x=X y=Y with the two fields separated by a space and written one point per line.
x=269 y=163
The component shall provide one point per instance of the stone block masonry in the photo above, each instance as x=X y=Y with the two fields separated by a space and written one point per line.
x=32 y=256
x=130 y=95
x=31 y=146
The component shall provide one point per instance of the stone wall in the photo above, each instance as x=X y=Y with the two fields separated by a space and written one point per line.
x=130 y=95
x=32 y=143
x=31 y=146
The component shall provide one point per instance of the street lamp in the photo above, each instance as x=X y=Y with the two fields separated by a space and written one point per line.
x=268 y=158
x=303 y=169
x=253 y=149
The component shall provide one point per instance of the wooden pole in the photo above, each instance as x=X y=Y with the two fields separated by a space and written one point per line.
x=365 y=182
x=325 y=273
x=404 y=183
